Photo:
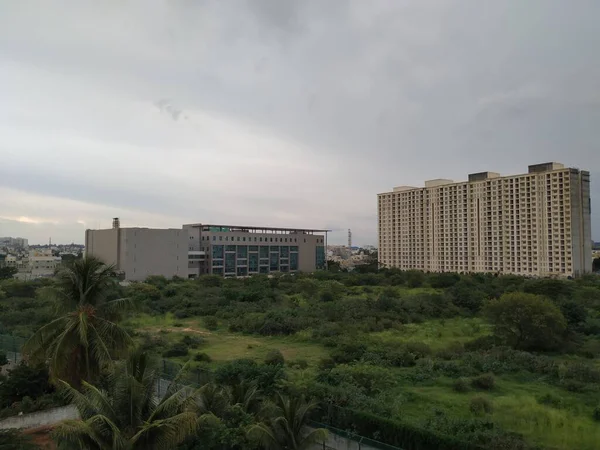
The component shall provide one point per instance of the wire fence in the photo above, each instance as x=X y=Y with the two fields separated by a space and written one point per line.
x=198 y=377
x=11 y=346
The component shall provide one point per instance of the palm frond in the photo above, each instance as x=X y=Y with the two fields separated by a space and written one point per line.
x=264 y=435
x=166 y=433
x=77 y=433
x=316 y=436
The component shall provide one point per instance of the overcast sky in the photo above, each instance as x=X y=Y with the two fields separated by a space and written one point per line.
x=281 y=113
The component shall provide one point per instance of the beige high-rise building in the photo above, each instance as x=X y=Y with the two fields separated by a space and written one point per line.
x=535 y=224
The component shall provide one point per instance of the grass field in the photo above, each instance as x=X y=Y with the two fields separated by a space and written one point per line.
x=437 y=333
x=517 y=404
x=222 y=345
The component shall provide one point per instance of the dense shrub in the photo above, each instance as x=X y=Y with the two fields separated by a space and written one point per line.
x=192 y=341
x=461 y=385
x=177 y=349
x=527 y=321
x=24 y=381
x=485 y=381
x=552 y=400
x=372 y=379
x=266 y=376
x=3 y=359
x=274 y=358
x=481 y=405
x=299 y=363
x=211 y=323
x=596 y=414
x=202 y=357
x=348 y=352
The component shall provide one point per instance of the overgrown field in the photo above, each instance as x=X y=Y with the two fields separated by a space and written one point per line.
x=470 y=360
x=409 y=347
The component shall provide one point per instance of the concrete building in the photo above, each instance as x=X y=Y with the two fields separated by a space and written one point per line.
x=198 y=249
x=14 y=242
x=42 y=266
x=232 y=250
x=535 y=224
x=140 y=252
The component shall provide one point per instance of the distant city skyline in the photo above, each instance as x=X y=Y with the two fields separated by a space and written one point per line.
x=274 y=112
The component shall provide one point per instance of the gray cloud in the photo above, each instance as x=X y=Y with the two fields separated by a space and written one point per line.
x=294 y=111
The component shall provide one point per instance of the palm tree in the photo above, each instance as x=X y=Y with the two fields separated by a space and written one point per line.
x=286 y=428
x=85 y=338
x=128 y=415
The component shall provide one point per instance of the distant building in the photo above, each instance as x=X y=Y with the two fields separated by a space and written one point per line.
x=140 y=252
x=233 y=250
x=42 y=266
x=536 y=223
x=197 y=249
x=13 y=242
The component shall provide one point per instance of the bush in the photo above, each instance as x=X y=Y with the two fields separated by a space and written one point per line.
x=299 y=363
x=202 y=357
x=461 y=385
x=485 y=381
x=274 y=358
x=192 y=341
x=596 y=414
x=24 y=381
x=211 y=323
x=177 y=349
x=419 y=349
x=326 y=364
x=265 y=376
x=372 y=379
x=3 y=359
x=527 y=321
x=481 y=405
x=551 y=400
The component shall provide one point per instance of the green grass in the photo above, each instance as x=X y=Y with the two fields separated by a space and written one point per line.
x=517 y=408
x=222 y=345
x=437 y=333
x=515 y=397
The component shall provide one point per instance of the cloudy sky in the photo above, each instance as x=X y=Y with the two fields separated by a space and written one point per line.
x=282 y=113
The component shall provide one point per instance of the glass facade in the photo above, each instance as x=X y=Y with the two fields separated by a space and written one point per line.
x=217 y=251
x=229 y=262
x=320 y=262
x=243 y=260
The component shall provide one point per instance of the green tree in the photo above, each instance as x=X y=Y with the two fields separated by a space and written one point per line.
x=285 y=427
x=7 y=273
x=127 y=414
x=85 y=338
x=527 y=321
x=596 y=265
x=24 y=381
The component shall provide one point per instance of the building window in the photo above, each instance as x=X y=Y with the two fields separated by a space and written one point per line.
x=264 y=251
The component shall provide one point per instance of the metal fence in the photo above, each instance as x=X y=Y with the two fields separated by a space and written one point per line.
x=11 y=346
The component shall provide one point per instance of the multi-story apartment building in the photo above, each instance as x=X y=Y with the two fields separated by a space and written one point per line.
x=198 y=249
x=535 y=224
